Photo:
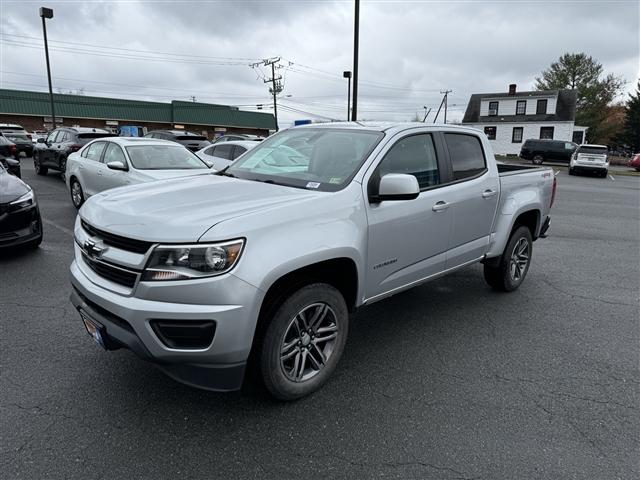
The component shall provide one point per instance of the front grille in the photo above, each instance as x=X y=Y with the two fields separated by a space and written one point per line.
x=129 y=244
x=115 y=274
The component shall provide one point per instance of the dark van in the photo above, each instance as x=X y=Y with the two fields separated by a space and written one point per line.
x=539 y=151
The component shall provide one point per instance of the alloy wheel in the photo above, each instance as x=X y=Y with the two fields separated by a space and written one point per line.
x=308 y=342
x=76 y=194
x=519 y=260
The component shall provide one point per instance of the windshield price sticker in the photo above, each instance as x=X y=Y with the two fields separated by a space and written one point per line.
x=313 y=185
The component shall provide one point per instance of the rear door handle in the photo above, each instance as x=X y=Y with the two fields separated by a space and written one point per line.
x=489 y=193
x=440 y=206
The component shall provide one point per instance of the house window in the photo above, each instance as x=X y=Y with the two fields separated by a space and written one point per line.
x=493 y=109
x=490 y=132
x=516 y=136
x=546 y=132
x=541 y=107
x=521 y=107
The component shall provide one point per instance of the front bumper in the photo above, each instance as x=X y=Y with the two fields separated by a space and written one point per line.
x=20 y=227
x=128 y=322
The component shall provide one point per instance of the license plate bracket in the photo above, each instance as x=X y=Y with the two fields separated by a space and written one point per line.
x=94 y=328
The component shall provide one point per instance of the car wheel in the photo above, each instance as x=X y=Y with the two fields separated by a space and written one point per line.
x=304 y=341
x=63 y=168
x=40 y=170
x=572 y=171
x=538 y=159
x=604 y=174
x=77 y=195
x=514 y=262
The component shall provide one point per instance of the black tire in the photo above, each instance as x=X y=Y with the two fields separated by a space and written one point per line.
x=604 y=174
x=77 y=202
x=40 y=170
x=501 y=277
x=572 y=171
x=288 y=327
x=537 y=159
x=63 y=167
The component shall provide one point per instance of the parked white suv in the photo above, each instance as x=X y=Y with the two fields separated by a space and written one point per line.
x=117 y=161
x=592 y=158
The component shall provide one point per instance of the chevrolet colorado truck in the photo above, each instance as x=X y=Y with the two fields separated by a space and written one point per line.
x=262 y=262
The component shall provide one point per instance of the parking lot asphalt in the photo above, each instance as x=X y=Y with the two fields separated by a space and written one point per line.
x=448 y=380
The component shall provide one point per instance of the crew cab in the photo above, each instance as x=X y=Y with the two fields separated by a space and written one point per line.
x=262 y=262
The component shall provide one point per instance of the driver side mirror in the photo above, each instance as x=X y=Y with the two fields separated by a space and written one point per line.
x=396 y=186
x=117 y=166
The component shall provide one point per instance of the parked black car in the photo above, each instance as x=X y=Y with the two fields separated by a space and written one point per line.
x=11 y=165
x=192 y=141
x=20 y=221
x=542 y=150
x=52 y=152
x=8 y=148
x=19 y=136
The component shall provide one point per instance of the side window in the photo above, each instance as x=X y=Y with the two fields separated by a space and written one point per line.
x=521 y=107
x=223 y=151
x=541 y=107
x=493 y=109
x=490 y=132
x=546 y=132
x=114 y=154
x=94 y=151
x=63 y=137
x=467 y=156
x=238 y=151
x=516 y=135
x=209 y=151
x=414 y=155
x=52 y=136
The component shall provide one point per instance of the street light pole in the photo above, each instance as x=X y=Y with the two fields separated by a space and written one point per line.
x=356 y=34
x=347 y=75
x=44 y=14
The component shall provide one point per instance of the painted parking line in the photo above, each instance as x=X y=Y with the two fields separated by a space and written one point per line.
x=59 y=227
x=611 y=177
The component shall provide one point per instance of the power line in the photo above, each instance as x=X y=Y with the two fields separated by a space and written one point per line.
x=276 y=81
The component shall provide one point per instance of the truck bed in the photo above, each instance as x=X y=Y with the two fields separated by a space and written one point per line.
x=507 y=169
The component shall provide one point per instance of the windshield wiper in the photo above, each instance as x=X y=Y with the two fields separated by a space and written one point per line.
x=224 y=173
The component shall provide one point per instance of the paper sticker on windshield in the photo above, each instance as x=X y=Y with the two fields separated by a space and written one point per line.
x=335 y=180
x=313 y=185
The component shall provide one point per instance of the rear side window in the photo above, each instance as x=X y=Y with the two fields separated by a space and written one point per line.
x=414 y=155
x=209 y=151
x=94 y=151
x=467 y=156
x=238 y=151
x=52 y=136
x=223 y=151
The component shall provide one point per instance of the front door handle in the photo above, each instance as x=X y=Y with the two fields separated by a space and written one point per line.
x=489 y=193
x=440 y=206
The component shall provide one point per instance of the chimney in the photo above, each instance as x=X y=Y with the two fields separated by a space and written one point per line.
x=512 y=89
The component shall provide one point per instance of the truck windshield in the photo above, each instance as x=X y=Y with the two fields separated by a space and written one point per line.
x=593 y=150
x=163 y=157
x=323 y=159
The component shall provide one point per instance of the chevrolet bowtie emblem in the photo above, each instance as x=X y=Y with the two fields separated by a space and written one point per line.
x=92 y=249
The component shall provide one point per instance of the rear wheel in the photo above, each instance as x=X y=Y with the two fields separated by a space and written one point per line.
x=514 y=262
x=77 y=195
x=63 y=167
x=40 y=170
x=304 y=341
x=538 y=159
x=604 y=174
x=572 y=171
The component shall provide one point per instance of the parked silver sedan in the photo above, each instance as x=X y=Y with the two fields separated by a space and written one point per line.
x=118 y=161
x=223 y=154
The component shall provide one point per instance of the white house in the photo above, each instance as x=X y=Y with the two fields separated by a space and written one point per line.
x=508 y=119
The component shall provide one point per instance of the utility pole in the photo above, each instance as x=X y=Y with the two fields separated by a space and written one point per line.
x=356 y=34
x=48 y=13
x=347 y=75
x=443 y=102
x=426 y=114
x=276 y=85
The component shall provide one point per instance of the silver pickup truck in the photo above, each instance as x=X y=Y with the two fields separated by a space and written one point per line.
x=262 y=263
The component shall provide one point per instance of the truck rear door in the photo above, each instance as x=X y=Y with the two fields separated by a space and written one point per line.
x=474 y=196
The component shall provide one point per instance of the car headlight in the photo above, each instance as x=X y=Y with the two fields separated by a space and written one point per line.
x=183 y=262
x=26 y=200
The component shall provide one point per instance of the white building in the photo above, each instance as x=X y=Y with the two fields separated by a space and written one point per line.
x=508 y=119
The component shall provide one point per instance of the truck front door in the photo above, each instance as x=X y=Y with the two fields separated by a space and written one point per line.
x=408 y=239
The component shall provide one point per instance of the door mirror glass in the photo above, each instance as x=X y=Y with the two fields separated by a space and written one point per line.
x=115 y=165
x=398 y=186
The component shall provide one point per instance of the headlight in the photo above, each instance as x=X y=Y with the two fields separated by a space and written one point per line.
x=172 y=262
x=25 y=200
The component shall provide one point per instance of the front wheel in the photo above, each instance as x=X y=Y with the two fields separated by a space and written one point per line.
x=77 y=195
x=514 y=262
x=304 y=341
x=538 y=159
x=40 y=170
x=63 y=168
x=572 y=171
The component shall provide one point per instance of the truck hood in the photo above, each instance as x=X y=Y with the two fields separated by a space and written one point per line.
x=181 y=210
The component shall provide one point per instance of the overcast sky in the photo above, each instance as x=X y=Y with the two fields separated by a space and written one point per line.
x=409 y=50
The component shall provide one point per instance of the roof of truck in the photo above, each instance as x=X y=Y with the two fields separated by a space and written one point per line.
x=386 y=126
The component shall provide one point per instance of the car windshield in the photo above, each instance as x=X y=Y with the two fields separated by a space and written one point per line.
x=16 y=136
x=163 y=157
x=593 y=150
x=314 y=158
